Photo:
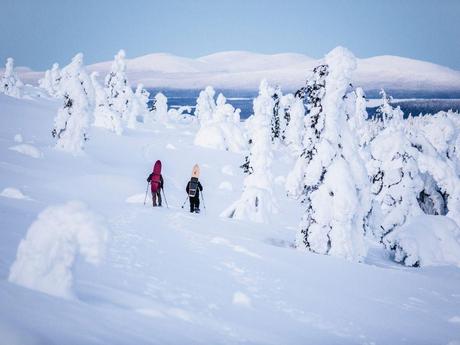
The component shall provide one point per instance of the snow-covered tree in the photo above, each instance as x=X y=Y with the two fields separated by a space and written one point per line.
x=50 y=82
x=396 y=181
x=276 y=116
x=119 y=91
x=386 y=113
x=160 y=106
x=257 y=202
x=205 y=105
x=103 y=115
x=329 y=175
x=10 y=84
x=358 y=120
x=219 y=123
x=72 y=120
x=293 y=133
x=139 y=106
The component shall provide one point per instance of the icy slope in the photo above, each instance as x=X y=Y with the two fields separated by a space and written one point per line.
x=244 y=70
x=170 y=277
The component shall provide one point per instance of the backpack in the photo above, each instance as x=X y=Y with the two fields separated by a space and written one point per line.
x=192 y=187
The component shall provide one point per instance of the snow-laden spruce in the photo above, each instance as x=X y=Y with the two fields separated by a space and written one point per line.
x=329 y=176
x=10 y=84
x=72 y=121
x=257 y=202
x=396 y=181
x=46 y=255
x=118 y=88
x=51 y=81
x=220 y=126
x=104 y=117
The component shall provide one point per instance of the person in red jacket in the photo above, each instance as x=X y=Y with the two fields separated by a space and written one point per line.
x=156 y=187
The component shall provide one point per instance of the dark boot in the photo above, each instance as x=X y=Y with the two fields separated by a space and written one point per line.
x=159 y=198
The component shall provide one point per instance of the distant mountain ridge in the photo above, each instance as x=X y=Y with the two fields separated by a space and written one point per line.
x=244 y=70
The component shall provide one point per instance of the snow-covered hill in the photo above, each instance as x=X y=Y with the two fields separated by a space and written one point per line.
x=171 y=277
x=244 y=70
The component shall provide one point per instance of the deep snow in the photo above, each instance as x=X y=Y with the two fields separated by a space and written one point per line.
x=170 y=277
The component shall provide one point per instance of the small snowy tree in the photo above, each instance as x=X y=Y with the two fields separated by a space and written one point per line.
x=50 y=82
x=71 y=122
x=293 y=134
x=160 y=107
x=358 y=118
x=329 y=175
x=139 y=106
x=118 y=89
x=219 y=123
x=103 y=116
x=205 y=105
x=10 y=84
x=257 y=202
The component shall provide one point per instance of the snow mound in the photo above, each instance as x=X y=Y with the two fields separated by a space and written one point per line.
x=28 y=150
x=426 y=241
x=46 y=256
x=136 y=199
x=225 y=185
x=13 y=193
x=241 y=299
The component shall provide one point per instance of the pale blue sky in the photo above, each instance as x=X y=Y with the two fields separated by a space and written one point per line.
x=37 y=33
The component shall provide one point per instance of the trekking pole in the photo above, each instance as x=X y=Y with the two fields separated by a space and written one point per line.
x=146 y=192
x=184 y=202
x=166 y=201
x=202 y=195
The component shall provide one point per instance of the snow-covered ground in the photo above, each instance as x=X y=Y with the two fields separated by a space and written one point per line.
x=170 y=277
x=244 y=70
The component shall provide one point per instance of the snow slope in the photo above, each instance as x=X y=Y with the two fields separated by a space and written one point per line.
x=170 y=277
x=244 y=70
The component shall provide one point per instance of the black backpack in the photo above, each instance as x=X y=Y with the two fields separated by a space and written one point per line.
x=192 y=187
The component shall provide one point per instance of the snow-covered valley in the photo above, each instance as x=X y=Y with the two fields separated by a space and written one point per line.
x=86 y=259
x=170 y=277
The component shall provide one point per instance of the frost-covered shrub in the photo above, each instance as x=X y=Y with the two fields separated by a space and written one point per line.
x=72 y=120
x=219 y=123
x=426 y=241
x=118 y=89
x=329 y=176
x=257 y=202
x=104 y=117
x=46 y=255
x=10 y=84
x=181 y=114
x=51 y=81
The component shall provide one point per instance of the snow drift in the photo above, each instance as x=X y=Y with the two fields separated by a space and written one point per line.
x=45 y=257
